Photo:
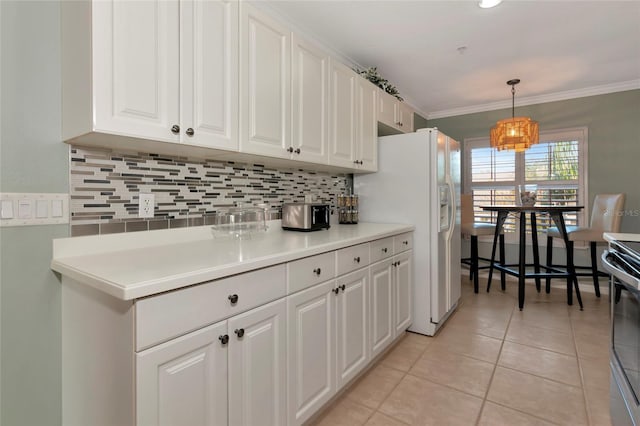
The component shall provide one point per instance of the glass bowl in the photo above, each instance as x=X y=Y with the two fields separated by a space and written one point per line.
x=240 y=222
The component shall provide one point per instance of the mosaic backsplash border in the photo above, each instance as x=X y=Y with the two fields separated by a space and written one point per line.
x=105 y=186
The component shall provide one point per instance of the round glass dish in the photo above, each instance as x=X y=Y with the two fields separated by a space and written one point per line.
x=240 y=222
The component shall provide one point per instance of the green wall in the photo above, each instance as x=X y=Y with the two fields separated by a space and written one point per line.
x=32 y=159
x=613 y=122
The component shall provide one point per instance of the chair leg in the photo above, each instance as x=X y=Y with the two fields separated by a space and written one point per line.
x=474 y=262
x=594 y=268
x=569 y=279
x=549 y=262
x=502 y=262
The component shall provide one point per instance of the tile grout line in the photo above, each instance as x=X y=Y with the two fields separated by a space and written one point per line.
x=484 y=401
x=495 y=367
x=584 y=390
x=404 y=374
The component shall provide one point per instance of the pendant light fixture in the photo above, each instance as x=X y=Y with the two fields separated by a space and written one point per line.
x=515 y=133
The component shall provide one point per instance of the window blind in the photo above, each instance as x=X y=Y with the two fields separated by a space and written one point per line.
x=555 y=165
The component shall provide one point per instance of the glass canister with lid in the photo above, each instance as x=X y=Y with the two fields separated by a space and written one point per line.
x=240 y=221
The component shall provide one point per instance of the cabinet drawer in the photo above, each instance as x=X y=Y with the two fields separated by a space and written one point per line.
x=310 y=271
x=351 y=258
x=381 y=249
x=165 y=316
x=402 y=242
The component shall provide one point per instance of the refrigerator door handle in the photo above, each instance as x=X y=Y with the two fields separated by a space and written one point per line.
x=452 y=206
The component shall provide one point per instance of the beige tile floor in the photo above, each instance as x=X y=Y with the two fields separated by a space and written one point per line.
x=492 y=364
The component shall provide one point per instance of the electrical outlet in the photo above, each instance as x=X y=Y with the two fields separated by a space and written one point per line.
x=146 y=203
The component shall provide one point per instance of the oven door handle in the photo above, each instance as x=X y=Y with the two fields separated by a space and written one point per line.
x=630 y=283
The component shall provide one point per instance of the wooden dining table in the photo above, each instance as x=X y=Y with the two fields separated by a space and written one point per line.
x=556 y=214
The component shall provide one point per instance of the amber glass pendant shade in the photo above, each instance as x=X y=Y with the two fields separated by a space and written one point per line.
x=515 y=133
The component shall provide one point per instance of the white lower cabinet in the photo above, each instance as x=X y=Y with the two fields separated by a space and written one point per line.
x=232 y=372
x=402 y=289
x=328 y=341
x=257 y=366
x=311 y=324
x=267 y=347
x=391 y=304
x=382 y=322
x=184 y=381
x=351 y=325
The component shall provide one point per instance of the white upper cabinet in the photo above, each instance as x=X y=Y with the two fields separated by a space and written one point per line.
x=265 y=92
x=310 y=108
x=342 y=122
x=213 y=74
x=386 y=108
x=366 y=149
x=134 y=76
x=394 y=113
x=353 y=128
x=209 y=73
x=404 y=117
x=157 y=70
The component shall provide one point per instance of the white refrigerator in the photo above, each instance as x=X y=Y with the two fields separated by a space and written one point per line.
x=418 y=182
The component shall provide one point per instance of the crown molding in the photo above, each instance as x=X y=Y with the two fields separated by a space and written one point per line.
x=532 y=100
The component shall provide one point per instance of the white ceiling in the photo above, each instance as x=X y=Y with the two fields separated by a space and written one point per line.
x=559 y=49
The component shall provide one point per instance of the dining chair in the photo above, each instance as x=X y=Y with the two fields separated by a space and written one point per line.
x=606 y=216
x=474 y=230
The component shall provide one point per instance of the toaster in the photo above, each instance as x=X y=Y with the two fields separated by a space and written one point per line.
x=305 y=216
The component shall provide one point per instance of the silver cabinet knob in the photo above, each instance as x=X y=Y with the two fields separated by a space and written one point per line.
x=175 y=129
x=189 y=132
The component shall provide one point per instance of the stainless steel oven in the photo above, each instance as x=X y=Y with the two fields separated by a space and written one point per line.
x=622 y=261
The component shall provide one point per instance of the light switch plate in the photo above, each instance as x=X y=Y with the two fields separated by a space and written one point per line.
x=42 y=209
x=25 y=206
x=6 y=212
x=25 y=209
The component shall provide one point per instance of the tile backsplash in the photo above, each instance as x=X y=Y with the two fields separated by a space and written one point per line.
x=188 y=192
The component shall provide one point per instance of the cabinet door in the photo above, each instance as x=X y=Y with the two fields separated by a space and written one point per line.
x=209 y=73
x=386 y=109
x=402 y=289
x=265 y=84
x=310 y=107
x=136 y=68
x=257 y=366
x=342 y=110
x=381 y=302
x=404 y=117
x=367 y=134
x=311 y=350
x=184 y=381
x=351 y=332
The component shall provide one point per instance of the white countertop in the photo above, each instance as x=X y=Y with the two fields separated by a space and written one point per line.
x=133 y=265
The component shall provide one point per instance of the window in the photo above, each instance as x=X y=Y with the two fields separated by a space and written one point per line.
x=557 y=165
